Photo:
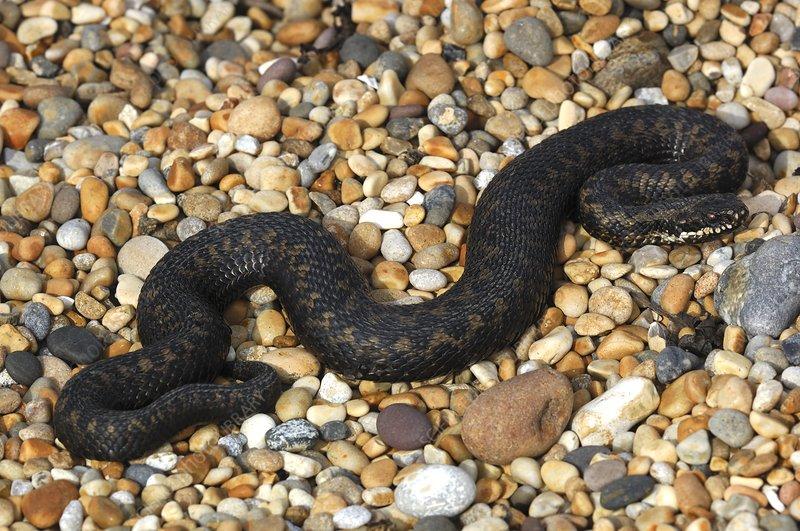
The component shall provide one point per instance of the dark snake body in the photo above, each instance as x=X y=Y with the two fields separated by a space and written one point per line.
x=636 y=173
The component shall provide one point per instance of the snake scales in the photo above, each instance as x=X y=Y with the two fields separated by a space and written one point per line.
x=638 y=175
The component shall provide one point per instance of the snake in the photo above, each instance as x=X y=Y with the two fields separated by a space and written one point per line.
x=633 y=176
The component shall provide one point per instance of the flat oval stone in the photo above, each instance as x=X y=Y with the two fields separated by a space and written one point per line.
x=404 y=427
x=74 y=344
x=435 y=490
x=624 y=491
x=496 y=432
x=23 y=367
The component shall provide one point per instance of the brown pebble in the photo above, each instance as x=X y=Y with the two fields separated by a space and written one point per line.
x=43 y=506
x=496 y=432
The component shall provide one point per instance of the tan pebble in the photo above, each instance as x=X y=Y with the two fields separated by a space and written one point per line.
x=571 y=299
x=42 y=507
x=556 y=474
x=726 y=362
x=730 y=391
x=677 y=293
x=581 y=271
x=269 y=325
x=346 y=134
x=613 y=302
x=593 y=324
x=104 y=512
x=290 y=363
x=322 y=413
x=619 y=344
x=541 y=83
x=767 y=426
x=293 y=403
x=347 y=456
x=432 y=75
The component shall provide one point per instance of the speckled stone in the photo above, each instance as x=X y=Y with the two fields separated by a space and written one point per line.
x=673 y=362
x=36 y=318
x=529 y=39
x=518 y=432
x=292 y=436
x=435 y=490
x=438 y=204
x=760 y=292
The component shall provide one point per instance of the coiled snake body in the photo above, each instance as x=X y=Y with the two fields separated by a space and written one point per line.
x=637 y=175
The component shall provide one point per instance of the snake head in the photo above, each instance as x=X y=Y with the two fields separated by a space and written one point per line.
x=711 y=216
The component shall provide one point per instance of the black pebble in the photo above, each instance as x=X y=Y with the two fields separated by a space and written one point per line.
x=791 y=349
x=23 y=367
x=581 y=457
x=335 y=430
x=624 y=491
x=74 y=344
x=361 y=49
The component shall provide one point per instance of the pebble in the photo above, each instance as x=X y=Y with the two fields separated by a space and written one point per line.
x=431 y=75
x=352 y=517
x=615 y=411
x=529 y=39
x=673 y=362
x=518 y=432
x=75 y=345
x=255 y=428
x=57 y=115
x=625 y=491
x=73 y=234
x=601 y=473
x=23 y=367
x=291 y=436
x=20 y=284
x=731 y=426
x=756 y=292
x=258 y=117
x=360 y=48
x=404 y=427
x=435 y=490
x=139 y=254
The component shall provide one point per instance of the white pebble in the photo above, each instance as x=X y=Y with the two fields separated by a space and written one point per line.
x=427 y=279
x=334 y=390
x=631 y=400
x=384 y=219
x=255 y=428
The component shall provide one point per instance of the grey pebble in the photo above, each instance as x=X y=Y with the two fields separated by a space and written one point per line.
x=360 y=48
x=438 y=205
x=189 y=226
x=731 y=426
x=529 y=39
x=760 y=292
x=66 y=203
x=36 y=318
x=57 y=115
x=450 y=119
x=599 y=474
